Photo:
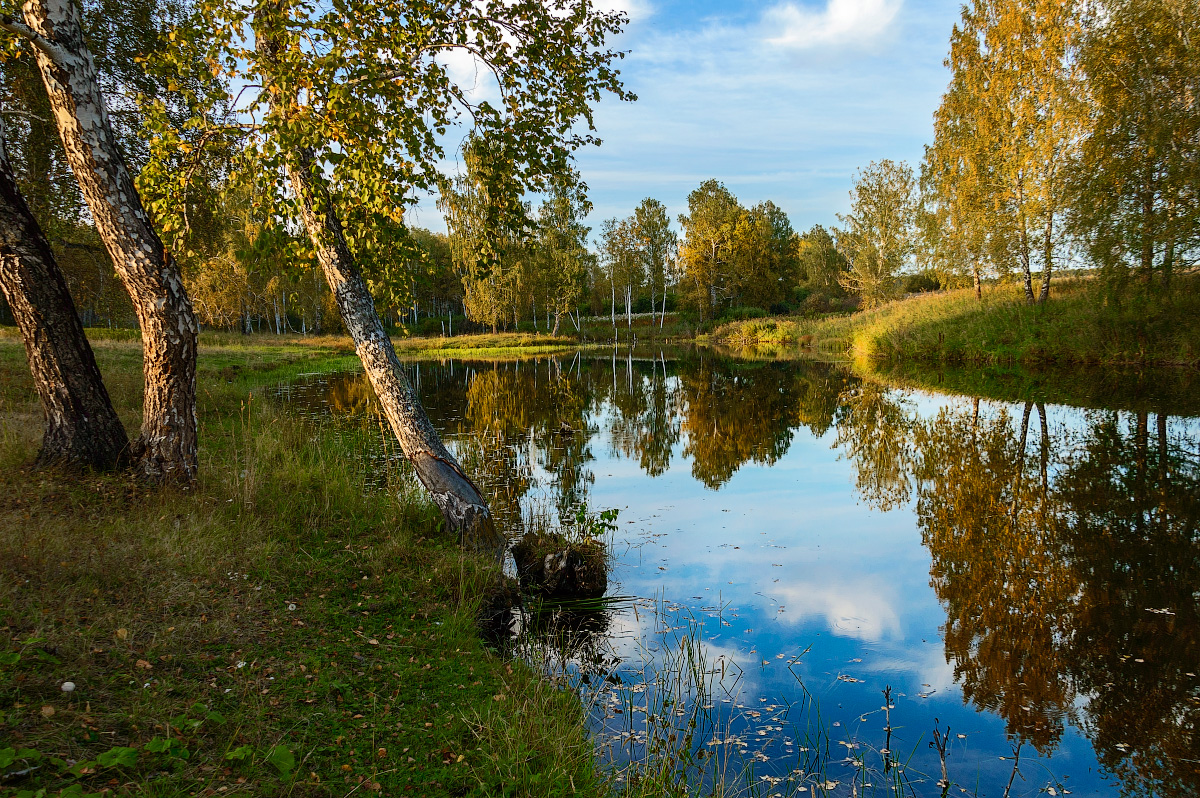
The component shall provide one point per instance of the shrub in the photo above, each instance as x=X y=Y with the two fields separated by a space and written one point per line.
x=743 y=313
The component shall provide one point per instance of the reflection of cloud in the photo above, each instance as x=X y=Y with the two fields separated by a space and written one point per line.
x=635 y=640
x=927 y=667
x=859 y=610
x=843 y=22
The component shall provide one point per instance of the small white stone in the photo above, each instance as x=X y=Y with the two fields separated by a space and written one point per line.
x=68 y=687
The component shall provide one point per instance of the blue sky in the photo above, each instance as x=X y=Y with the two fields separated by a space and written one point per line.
x=778 y=100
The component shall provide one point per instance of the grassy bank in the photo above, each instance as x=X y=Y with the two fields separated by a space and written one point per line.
x=1081 y=324
x=291 y=344
x=1173 y=391
x=278 y=629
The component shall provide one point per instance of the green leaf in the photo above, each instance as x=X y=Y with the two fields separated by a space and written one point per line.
x=282 y=758
x=171 y=747
x=215 y=717
x=9 y=658
x=10 y=756
x=44 y=657
x=241 y=753
x=73 y=791
x=120 y=756
x=159 y=745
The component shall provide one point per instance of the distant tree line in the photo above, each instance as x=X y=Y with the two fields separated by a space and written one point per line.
x=1068 y=137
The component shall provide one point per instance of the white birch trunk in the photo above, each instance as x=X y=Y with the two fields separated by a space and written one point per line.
x=461 y=502
x=166 y=449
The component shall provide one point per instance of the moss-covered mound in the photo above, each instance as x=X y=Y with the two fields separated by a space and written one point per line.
x=552 y=566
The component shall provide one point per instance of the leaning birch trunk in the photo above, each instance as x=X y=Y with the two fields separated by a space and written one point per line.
x=461 y=502
x=166 y=449
x=81 y=428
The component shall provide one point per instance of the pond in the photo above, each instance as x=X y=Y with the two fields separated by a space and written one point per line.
x=824 y=584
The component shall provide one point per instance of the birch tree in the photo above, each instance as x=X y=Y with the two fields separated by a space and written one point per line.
x=877 y=238
x=657 y=243
x=80 y=426
x=706 y=253
x=166 y=448
x=560 y=249
x=958 y=175
x=1135 y=201
x=1026 y=51
x=350 y=106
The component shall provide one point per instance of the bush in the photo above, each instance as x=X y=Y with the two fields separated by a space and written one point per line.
x=821 y=304
x=742 y=314
x=921 y=283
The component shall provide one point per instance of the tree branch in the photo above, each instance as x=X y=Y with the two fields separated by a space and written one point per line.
x=55 y=53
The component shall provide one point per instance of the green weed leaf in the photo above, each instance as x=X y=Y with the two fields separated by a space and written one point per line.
x=282 y=758
x=158 y=745
x=241 y=753
x=120 y=756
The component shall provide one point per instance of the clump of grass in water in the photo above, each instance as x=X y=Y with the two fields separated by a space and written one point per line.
x=662 y=731
x=566 y=562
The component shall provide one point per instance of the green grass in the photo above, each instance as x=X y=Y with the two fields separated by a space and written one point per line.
x=288 y=628
x=674 y=328
x=1081 y=324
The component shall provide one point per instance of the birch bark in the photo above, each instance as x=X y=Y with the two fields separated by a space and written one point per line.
x=462 y=504
x=80 y=426
x=166 y=448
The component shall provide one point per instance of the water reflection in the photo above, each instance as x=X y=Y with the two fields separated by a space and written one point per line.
x=1051 y=602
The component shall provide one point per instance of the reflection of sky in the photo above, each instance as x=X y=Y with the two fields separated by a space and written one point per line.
x=795 y=562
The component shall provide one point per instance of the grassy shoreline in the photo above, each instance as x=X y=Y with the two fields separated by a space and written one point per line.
x=1080 y=325
x=279 y=628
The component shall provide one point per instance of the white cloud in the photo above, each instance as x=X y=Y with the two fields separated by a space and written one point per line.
x=470 y=74
x=842 y=22
x=637 y=10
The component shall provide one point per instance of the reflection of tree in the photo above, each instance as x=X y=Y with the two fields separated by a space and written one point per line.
x=874 y=429
x=1072 y=576
x=1131 y=524
x=565 y=455
x=499 y=411
x=647 y=424
x=734 y=414
x=995 y=569
x=350 y=395
x=818 y=389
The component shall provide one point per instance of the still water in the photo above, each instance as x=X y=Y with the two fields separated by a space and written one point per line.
x=1022 y=579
